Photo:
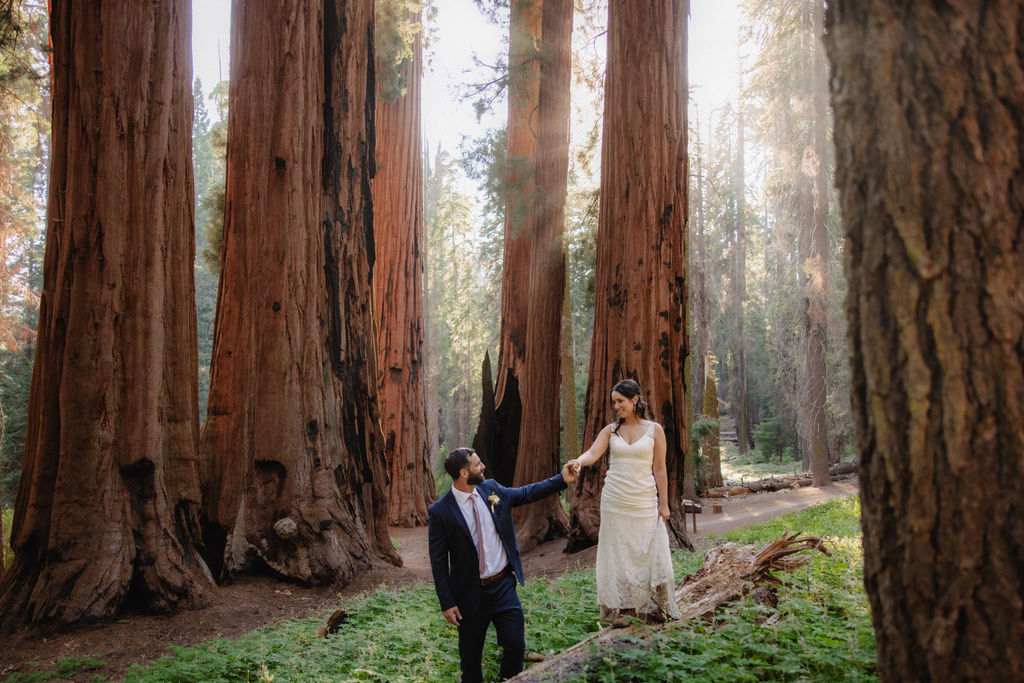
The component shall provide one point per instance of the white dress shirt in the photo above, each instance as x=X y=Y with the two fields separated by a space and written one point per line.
x=494 y=551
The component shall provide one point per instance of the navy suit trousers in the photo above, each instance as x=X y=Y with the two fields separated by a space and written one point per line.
x=499 y=603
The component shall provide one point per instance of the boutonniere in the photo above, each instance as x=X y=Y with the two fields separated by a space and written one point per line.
x=493 y=500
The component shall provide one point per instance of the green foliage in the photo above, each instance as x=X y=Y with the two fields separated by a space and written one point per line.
x=8 y=519
x=704 y=427
x=396 y=27
x=463 y=296
x=24 y=145
x=69 y=667
x=769 y=438
x=15 y=381
x=819 y=632
x=388 y=636
x=209 y=150
x=739 y=467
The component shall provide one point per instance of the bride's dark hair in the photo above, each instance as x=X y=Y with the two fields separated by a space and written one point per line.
x=629 y=388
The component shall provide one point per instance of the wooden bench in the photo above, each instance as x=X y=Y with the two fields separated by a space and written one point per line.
x=693 y=509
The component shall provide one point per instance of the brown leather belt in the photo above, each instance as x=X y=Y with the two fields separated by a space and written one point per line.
x=495 y=578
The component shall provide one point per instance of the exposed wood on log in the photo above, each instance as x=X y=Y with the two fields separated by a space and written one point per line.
x=729 y=572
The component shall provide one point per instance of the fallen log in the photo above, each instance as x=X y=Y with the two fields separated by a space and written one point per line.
x=774 y=483
x=842 y=469
x=729 y=572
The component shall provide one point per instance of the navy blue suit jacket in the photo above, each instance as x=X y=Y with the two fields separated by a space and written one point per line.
x=453 y=558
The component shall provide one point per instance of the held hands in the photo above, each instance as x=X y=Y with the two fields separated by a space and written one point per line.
x=453 y=615
x=663 y=511
x=571 y=471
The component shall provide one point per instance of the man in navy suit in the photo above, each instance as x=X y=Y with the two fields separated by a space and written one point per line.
x=474 y=557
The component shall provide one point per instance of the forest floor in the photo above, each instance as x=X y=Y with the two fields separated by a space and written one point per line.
x=111 y=647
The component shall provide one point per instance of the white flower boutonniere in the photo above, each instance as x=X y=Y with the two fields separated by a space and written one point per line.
x=493 y=500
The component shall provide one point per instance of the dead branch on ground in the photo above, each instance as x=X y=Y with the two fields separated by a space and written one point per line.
x=729 y=572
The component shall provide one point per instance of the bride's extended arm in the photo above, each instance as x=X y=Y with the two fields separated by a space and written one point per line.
x=594 y=453
x=661 y=471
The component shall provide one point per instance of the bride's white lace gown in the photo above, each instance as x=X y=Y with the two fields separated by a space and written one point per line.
x=634 y=566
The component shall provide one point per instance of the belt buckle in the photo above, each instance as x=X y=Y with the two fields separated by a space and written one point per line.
x=494 y=578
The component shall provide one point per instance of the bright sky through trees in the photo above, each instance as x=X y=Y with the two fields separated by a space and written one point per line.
x=461 y=31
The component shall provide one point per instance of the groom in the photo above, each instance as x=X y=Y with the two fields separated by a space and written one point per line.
x=475 y=559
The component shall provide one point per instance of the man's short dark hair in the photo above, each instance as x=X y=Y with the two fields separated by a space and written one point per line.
x=457 y=460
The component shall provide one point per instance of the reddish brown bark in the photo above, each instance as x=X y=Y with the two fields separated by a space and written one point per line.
x=539 y=452
x=816 y=270
x=640 y=317
x=398 y=295
x=292 y=439
x=929 y=109
x=521 y=152
x=107 y=509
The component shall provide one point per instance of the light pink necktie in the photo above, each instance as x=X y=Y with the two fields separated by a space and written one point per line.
x=473 y=497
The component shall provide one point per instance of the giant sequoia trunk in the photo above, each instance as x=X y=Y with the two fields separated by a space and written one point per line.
x=107 y=509
x=816 y=271
x=521 y=150
x=398 y=295
x=929 y=111
x=539 y=453
x=292 y=439
x=640 y=326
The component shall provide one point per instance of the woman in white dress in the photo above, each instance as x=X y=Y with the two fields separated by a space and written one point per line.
x=634 y=566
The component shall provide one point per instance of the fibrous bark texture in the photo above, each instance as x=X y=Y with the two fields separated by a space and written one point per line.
x=398 y=294
x=816 y=272
x=929 y=109
x=640 y=328
x=539 y=453
x=107 y=509
x=521 y=151
x=292 y=441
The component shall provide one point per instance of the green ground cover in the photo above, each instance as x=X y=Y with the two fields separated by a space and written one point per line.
x=820 y=631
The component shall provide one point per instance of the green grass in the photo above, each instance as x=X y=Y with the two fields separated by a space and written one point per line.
x=389 y=636
x=820 y=631
x=749 y=467
x=69 y=667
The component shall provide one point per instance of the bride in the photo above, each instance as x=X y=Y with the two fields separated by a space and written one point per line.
x=634 y=566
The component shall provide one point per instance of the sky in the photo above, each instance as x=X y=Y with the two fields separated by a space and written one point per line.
x=461 y=32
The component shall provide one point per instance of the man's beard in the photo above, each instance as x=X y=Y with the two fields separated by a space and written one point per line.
x=474 y=479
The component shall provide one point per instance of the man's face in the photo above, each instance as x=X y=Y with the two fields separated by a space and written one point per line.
x=475 y=470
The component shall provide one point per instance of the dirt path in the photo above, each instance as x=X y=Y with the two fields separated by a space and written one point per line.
x=252 y=603
x=548 y=559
